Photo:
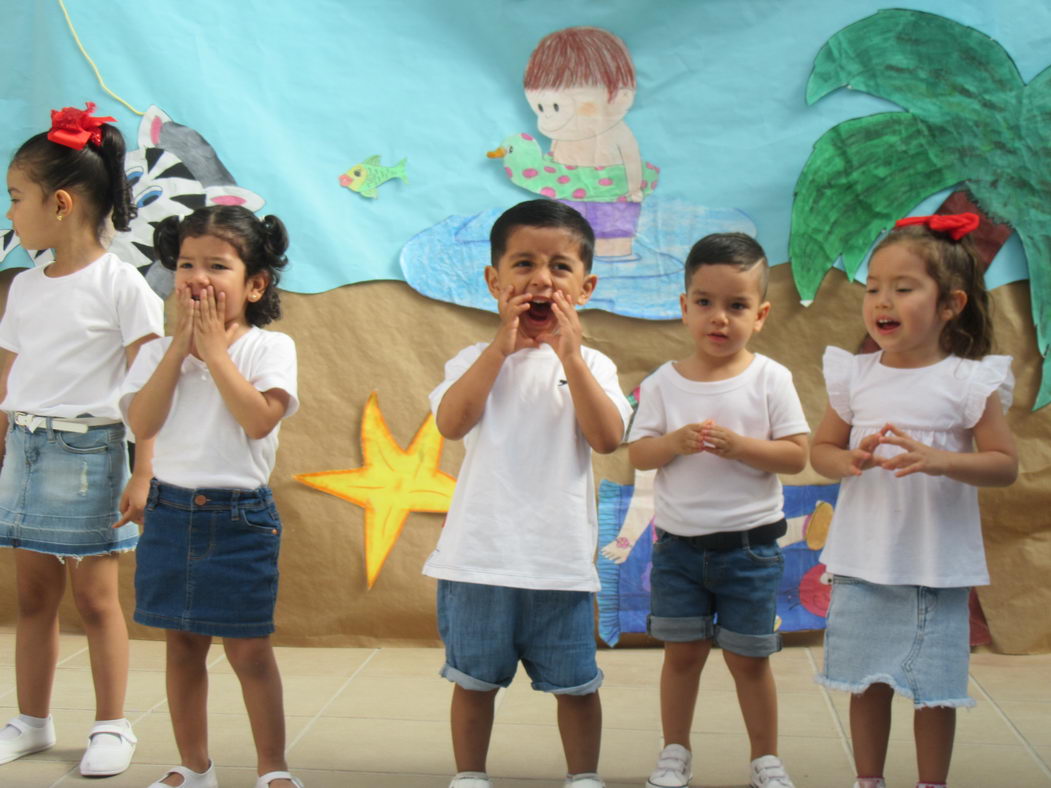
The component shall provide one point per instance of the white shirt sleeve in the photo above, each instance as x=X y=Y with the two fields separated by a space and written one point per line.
x=784 y=408
x=146 y=361
x=650 y=419
x=454 y=369
x=276 y=368
x=9 y=323
x=605 y=373
x=140 y=311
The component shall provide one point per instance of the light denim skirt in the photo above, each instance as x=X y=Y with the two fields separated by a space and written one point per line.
x=914 y=638
x=60 y=491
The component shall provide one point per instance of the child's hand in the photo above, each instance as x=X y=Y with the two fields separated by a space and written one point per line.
x=917 y=457
x=509 y=337
x=688 y=439
x=861 y=458
x=209 y=326
x=182 y=336
x=133 y=500
x=721 y=441
x=567 y=337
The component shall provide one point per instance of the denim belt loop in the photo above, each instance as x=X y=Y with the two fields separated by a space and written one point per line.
x=154 y=494
x=50 y=430
x=235 y=505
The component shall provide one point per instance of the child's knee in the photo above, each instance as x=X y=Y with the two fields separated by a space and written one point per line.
x=250 y=657
x=746 y=666
x=686 y=655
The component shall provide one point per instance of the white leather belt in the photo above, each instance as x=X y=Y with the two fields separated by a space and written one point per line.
x=33 y=423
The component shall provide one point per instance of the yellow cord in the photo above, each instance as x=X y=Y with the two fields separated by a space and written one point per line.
x=83 y=51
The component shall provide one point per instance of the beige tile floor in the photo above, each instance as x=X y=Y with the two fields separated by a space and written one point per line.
x=378 y=718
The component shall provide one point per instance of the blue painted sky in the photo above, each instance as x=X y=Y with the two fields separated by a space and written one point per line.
x=291 y=94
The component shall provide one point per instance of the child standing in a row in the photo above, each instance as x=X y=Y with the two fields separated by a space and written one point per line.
x=70 y=329
x=719 y=426
x=912 y=430
x=214 y=394
x=515 y=562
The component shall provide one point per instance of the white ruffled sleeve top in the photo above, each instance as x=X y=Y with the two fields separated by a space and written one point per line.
x=917 y=529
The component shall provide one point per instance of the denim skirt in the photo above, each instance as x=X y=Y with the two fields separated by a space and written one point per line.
x=207 y=561
x=913 y=638
x=60 y=491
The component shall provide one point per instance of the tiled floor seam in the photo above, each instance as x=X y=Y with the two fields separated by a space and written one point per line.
x=143 y=715
x=336 y=694
x=1026 y=745
x=59 y=664
x=844 y=740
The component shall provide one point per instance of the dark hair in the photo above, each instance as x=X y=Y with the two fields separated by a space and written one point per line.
x=953 y=265
x=542 y=213
x=580 y=56
x=95 y=171
x=260 y=243
x=735 y=249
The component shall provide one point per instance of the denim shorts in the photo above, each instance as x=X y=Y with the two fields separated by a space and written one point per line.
x=914 y=638
x=488 y=629
x=60 y=491
x=207 y=561
x=728 y=595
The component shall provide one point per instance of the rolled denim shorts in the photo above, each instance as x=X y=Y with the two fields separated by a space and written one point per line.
x=60 y=491
x=913 y=638
x=728 y=595
x=488 y=629
x=207 y=561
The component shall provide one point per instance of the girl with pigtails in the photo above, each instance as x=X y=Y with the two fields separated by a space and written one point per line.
x=70 y=329
x=213 y=395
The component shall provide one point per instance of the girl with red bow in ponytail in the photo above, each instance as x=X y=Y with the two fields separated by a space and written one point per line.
x=912 y=430
x=70 y=329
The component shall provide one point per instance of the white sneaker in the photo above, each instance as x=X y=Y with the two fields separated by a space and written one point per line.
x=584 y=780
x=673 y=768
x=269 y=777
x=471 y=780
x=871 y=782
x=110 y=747
x=190 y=778
x=769 y=772
x=28 y=740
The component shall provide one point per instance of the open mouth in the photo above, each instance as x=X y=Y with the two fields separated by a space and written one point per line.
x=539 y=311
x=886 y=324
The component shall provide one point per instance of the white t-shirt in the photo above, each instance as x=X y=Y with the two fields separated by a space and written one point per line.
x=701 y=493
x=523 y=513
x=70 y=333
x=917 y=529
x=201 y=443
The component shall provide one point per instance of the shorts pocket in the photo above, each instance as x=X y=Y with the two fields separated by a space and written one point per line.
x=844 y=580
x=764 y=554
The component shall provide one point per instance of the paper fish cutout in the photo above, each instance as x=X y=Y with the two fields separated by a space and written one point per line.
x=366 y=177
x=531 y=169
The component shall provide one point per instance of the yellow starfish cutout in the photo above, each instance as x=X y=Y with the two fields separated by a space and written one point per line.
x=390 y=483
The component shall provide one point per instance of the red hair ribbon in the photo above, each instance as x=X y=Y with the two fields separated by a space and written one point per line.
x=74 y=127
x=957 y=225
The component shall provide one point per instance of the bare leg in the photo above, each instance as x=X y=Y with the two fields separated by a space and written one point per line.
x=94 y=582
x=934 y=730
x=580 y=725
x=253 y=662
x=680 y=678
x=471 y=719
x=41 y=582
x=757 y=697
x=187 y=680
x=870 y=729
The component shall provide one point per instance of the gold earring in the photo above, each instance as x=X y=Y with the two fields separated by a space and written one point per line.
x=59 y=216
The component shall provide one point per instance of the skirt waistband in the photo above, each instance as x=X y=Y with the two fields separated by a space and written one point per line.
x=207 y=498
x=60 y=423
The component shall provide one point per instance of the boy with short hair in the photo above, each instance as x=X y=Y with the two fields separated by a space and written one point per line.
x=719 y=426
x=515 y=561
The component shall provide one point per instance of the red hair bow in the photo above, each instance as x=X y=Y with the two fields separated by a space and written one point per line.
x=957 y=225
x=74 y=127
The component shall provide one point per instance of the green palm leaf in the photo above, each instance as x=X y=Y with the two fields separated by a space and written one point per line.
x=927 y=64
x=861 y=176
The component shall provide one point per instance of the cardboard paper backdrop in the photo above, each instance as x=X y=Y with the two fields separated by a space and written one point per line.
x=289 y=99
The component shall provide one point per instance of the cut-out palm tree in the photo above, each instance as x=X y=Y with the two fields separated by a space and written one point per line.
x=969 y=122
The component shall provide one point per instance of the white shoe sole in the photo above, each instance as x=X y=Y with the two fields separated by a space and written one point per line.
x=8 y=758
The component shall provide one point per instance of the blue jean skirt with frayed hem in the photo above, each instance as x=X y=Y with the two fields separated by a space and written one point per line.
x=60 y=491
x=207 y=561
x=913 y=638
